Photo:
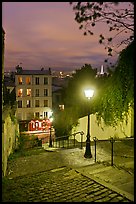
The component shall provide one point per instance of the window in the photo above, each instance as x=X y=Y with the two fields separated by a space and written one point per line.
x=61 y=107
x=28 y=103
x=45 y=92
x=45 y=80
x=20 y=92
x=45 y=114
x=37 y=92
x=45 y=103
x=20 y=80
x=19 y=104
x=28 y=92
x=37 y=80
x=28 y=81
x=36 y=103
x=37 y=114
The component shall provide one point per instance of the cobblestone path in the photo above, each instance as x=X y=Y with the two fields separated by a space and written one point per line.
x=63 y=184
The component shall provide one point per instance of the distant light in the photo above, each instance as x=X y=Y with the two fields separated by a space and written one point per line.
x=61 y=107
x=89 y=93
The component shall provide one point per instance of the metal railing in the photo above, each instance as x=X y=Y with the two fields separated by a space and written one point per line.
x=112 y=150
x=119 y=150
x=68 y=141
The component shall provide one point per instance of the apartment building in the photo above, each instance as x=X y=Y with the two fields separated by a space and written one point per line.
x=33 y=94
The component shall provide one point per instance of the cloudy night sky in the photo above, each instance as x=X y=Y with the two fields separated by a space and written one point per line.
x=45 y=34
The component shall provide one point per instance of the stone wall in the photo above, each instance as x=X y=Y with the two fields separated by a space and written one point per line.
x=10 y=134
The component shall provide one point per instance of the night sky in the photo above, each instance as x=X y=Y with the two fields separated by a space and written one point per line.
x=45 y=34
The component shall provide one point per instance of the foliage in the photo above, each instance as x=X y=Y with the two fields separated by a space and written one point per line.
x=83 y=78
x=114 y=93
x=118 y=18
x=117 y=97
x=25 y=152
x=75 y=103
x=8 y=98
x=27 y=141
x=64 y=122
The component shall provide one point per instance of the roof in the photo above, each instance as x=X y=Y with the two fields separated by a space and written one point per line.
x=33 y=72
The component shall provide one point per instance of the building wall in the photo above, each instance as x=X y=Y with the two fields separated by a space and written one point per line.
x=26 y=113
x=10 y=135
x=102 y=131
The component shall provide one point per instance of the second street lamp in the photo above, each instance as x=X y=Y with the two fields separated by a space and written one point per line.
x=89 y=94
x=50 y=140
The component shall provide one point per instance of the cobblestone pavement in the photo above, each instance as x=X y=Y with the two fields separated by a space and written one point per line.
x=63 y=184
x=62 y=176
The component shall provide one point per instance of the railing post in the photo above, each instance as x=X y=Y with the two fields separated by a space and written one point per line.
x=94 y=138
x=82 y=133
x=112 y=141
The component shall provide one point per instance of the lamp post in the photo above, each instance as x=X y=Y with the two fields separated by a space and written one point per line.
x=50 y=141
x=88 y=93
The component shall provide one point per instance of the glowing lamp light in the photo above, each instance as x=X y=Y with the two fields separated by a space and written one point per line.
x=89 y=93
x=51 y=119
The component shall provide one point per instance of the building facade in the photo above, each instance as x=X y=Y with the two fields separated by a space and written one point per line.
x=33 y=94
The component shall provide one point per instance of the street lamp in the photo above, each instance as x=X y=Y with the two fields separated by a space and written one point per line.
x=50 y=141
x=89 y=94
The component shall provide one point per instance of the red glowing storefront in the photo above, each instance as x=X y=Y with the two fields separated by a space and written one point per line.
x=39 y=125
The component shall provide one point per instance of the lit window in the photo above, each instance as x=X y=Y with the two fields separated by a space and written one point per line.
x=36 y=103
x=28 y=103
x=20 y=92
x=28 y=81
x=61 y=107
x=28 y=92
x=45 y=103
x=20 y=80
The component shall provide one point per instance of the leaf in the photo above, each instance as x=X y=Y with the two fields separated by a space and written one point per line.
x=106 y=60
x=81 y=26
x=109 y=39
x=109 y=49
x=91 y=33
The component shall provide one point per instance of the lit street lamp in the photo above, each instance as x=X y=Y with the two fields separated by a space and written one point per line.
x=89 y=94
